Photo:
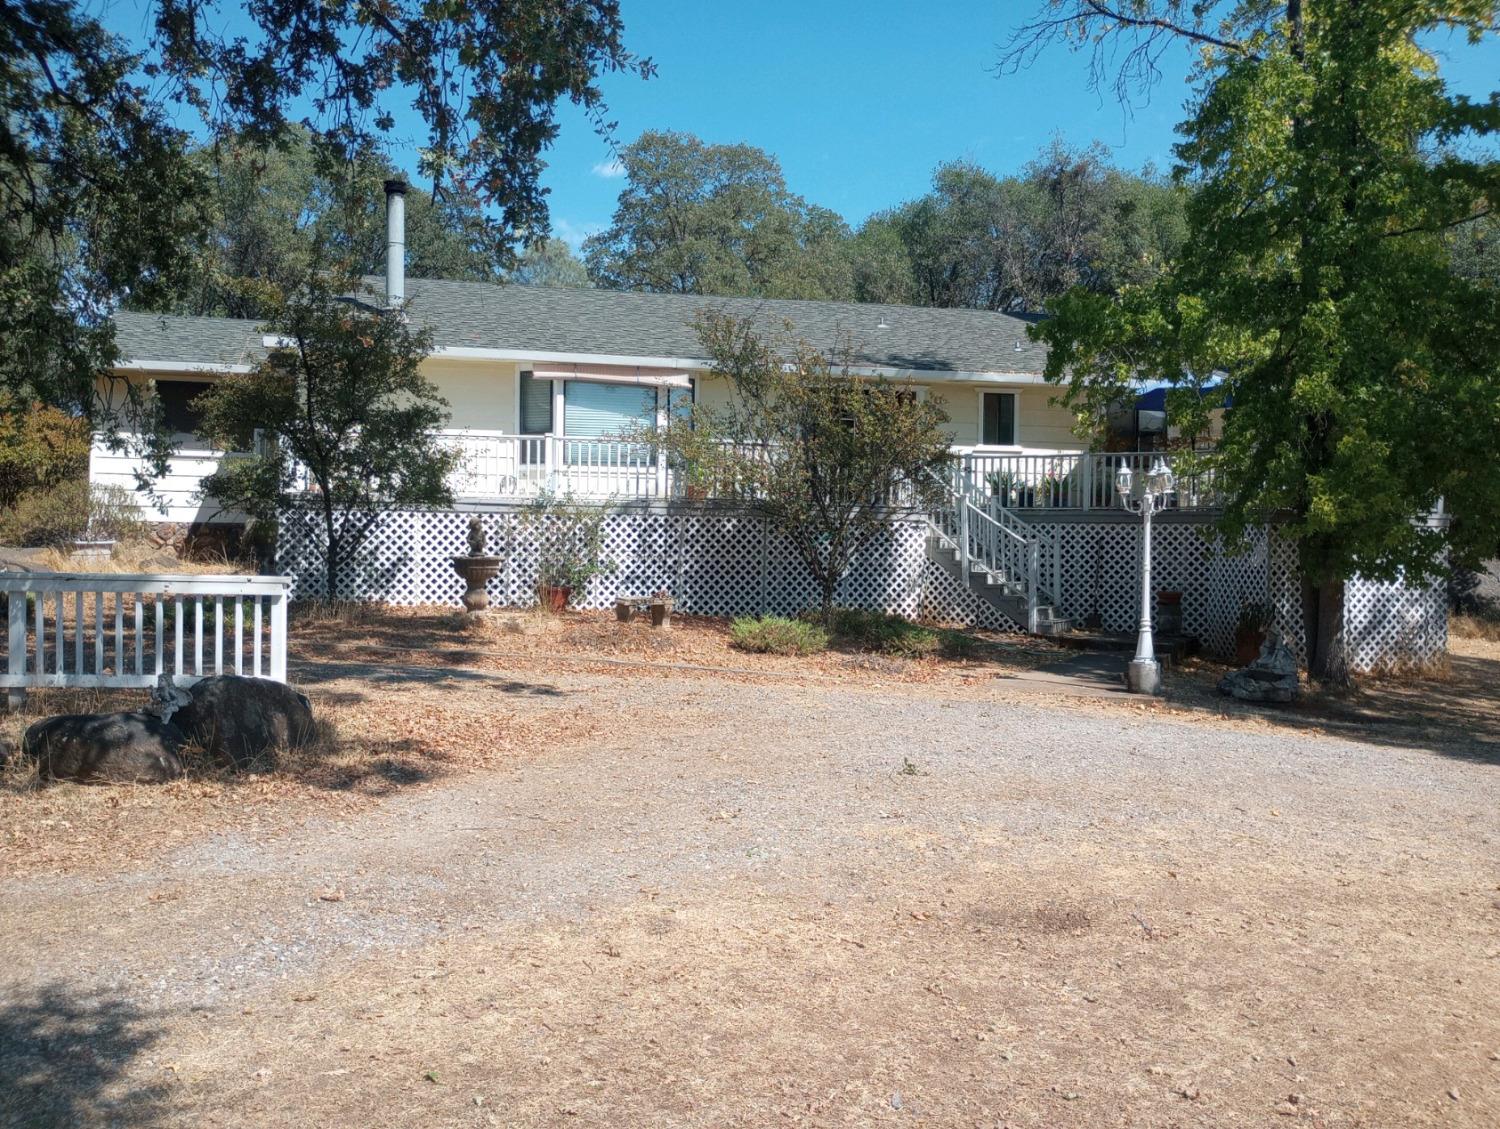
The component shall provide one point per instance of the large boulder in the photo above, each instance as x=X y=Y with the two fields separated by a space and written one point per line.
x=241 y=719
x=1272 y=677
x=117 y=748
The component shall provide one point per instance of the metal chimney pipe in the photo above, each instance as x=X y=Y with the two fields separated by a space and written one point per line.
x=395 y=242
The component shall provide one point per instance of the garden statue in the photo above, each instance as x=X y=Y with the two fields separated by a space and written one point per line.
x=476 y=568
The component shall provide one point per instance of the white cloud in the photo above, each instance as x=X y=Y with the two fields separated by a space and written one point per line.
x=610 y=169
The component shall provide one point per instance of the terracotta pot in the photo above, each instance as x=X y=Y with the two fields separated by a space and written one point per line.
x=695 y=492
x=555 y=597
x=1247 y=645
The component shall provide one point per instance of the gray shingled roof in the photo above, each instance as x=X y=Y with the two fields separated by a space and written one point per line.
x=547 y=319
x=203 y=341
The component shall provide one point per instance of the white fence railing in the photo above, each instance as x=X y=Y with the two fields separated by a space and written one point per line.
x=496 y=465
x=1078 y=480
x=99 y=629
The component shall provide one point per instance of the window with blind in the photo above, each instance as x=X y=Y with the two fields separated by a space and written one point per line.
x=998 y=419
x=606 y=411
x=536 y=405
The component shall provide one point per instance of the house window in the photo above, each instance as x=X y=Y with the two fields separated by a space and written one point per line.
x=181 y=414
x=997 y=424
x=680 y=402
x=607 y=411
x=536 y=405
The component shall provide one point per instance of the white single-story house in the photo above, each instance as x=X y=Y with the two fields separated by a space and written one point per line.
x=527 y=371
x=538 y=380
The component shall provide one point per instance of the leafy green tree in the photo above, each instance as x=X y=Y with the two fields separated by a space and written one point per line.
x=485 y=76
x=550 y=263
x=820 y=452
x=96 y=198
x=40 y=446
x=274 y=209
x=100 y=197
x=695 y=218
x=1015 y=243
x=1330 y=165
x=340 y=416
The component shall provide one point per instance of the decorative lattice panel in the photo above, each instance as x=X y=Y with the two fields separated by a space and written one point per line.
x=731 y=562
x=1389 y=626
x=715 y=562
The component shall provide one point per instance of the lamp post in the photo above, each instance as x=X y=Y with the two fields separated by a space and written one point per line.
x=1143 y=675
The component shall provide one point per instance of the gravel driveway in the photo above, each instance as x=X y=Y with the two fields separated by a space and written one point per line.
x=762 y=904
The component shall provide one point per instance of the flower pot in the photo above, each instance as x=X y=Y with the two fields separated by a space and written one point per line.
x=1247 y=644
x=695 y=492
x=555 y=597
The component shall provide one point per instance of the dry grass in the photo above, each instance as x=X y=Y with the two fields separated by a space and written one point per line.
x=139 y=557
x=370 y=745
x=505 y=639
x=1474 y=627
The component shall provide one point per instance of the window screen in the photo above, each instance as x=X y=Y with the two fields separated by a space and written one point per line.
x=999 y=424
x=536 y=405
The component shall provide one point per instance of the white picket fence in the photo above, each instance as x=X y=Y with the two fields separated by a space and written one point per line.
x=98 y=629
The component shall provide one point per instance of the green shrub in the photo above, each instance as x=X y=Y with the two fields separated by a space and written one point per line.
x=773 y=635
x=891 y=635
x=69 y=511
x=887 y=634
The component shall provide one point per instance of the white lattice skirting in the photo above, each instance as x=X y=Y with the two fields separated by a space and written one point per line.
x=729 y=561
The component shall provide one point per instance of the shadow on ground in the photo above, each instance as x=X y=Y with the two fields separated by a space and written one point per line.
x=1456 y=716
x=309 y=673
x=63 y=1062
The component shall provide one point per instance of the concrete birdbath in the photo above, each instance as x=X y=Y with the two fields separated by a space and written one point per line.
x=477 y=569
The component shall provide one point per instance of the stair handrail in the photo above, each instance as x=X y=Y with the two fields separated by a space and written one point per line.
x=991 y=535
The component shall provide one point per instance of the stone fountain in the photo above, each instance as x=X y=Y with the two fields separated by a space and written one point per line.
x=476 y=568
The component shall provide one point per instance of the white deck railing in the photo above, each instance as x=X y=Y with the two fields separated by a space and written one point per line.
x=1077 y=480
x=496 y=465
x=100 y=629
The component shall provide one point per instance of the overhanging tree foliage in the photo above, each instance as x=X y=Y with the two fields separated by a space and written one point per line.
x=96 y=198
x=1330 y=166
x=343 y=402
x=821 y=451
x=100 y=198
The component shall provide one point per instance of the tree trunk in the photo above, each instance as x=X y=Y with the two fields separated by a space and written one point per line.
x=829 y=584
x=1323 y=632
x=331 y=560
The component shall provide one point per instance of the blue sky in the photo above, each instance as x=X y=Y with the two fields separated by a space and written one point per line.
x=858 y=99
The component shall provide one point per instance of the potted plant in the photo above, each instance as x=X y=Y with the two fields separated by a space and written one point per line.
x=570 y=547
x=1003 y=485
x=1250 y=630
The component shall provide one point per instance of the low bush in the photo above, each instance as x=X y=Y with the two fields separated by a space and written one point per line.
x=773 y=635
x=892 y=635
x=69 y=511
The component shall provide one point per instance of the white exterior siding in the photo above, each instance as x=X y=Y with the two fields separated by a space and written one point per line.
x=177 y=490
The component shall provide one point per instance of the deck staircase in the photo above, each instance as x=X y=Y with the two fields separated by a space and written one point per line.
x=1007 y=562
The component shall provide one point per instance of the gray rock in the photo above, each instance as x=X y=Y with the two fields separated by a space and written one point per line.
x=116 y=748
x=1272 y=677
x=241 y=719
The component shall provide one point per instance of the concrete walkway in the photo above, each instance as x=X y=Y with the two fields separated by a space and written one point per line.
x=1088 y=674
